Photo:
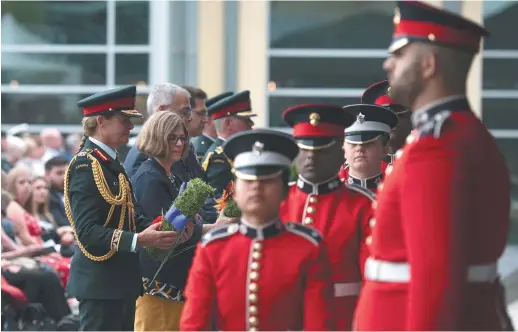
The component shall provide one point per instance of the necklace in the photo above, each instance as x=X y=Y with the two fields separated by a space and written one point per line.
x=172 y=178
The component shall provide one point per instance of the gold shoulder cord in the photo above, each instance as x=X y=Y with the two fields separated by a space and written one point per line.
x=123 y=199
x=205 y=164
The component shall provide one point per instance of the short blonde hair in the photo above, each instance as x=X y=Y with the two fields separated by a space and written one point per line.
x=152 y=139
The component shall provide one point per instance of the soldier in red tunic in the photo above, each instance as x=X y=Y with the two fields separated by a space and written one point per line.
x=260 y=274
x=340 y=212
x=366 y=143
x=442 y=215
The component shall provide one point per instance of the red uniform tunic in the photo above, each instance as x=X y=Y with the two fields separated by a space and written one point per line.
x=341 y=213
x=441 y=223
x=344 y=176
x=274 y=278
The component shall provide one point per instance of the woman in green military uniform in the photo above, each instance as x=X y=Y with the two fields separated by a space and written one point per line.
x=104 y=274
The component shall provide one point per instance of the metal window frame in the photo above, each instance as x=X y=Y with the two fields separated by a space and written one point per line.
x=63 y=89
x=111 y=49
x=364 y=53
x=74 y=49
x=64 y=129
x=497 y=133
x=499 y=94
x=315 y=92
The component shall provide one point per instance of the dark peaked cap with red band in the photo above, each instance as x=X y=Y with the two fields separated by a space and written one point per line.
x=215 y=99
x=237 y=104
x=415 y=21
x=121 y=100
x=317 y=126
x=379 y=94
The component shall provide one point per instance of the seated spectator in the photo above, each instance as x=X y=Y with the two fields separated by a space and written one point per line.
x=53 y=143
x=16 y=148
x=38 y=207
x=16 y=188
x=72 y=143
x=19 y=183
x=55 y=169
x=39 y=286
x=13 y=219
x=6 y=165
x=33 y=155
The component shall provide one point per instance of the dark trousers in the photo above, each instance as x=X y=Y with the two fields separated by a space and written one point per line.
x=107 y=315
x=41 y=286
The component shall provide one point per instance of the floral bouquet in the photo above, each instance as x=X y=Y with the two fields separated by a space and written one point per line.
x=190 y=200
x=227 y=203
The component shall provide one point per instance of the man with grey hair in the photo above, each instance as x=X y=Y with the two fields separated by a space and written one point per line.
x=173 y=98
x=53 y=142
x=163 y=97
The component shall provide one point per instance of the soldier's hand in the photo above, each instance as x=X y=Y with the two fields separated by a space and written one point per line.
x=152 y=237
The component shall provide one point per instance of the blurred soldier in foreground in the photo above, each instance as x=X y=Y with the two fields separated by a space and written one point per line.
x=442 y=217
x=260 y=274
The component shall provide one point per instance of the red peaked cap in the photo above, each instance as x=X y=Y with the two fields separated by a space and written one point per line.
x=379 y=94
x=317 y=125
x=415 y=21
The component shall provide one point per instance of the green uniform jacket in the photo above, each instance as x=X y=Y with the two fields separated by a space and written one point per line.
x=217 y=167
x=117 y=277
x=201 y=144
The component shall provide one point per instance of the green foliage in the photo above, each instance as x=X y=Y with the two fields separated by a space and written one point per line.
x=232 y=210
x=193 y=198
x=293 y=172
x=188 y=203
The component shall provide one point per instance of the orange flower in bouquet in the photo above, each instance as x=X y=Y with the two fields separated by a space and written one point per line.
x=227 y=204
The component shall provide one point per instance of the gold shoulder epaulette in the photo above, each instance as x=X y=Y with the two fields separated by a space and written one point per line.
x=205 y=163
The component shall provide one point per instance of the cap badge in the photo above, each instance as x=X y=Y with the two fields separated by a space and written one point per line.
x=397 y=16
x=388 y=92
x=360 y=118
x=314 y=119
x=258 y=148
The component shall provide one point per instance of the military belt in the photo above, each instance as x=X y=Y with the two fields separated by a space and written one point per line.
x=399 y=272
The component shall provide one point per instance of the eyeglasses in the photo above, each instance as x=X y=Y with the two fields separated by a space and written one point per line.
x=185 y=112
x=175 y=139
x=201 y=113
